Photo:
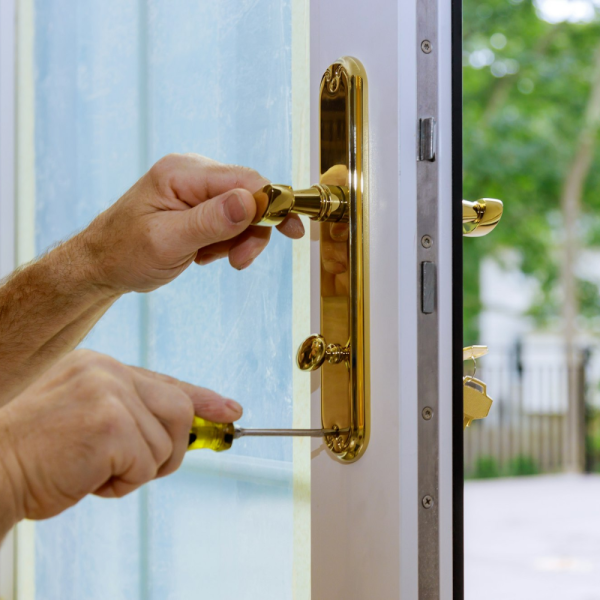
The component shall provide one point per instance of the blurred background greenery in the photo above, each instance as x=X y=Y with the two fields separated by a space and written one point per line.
x=531 y=117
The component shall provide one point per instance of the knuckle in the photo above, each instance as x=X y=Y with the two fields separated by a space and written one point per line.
x=183 y=409
x=164 y=167
x=82 y=357
x=92 y=377
x=203 y=160
x=110 y=416
x=245 y=176
x=83 y=360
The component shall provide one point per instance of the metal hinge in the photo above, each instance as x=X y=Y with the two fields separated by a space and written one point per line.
x=426 y=139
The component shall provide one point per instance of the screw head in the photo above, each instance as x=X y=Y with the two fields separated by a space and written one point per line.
x=427 y=413
x=426 y=46
x=427 y=501
x=426 y=241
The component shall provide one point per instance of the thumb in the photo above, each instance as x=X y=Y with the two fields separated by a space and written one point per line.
x=220 y=218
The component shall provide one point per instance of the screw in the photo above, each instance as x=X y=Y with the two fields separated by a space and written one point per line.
x=426 y=241
x=427 y=413
x=426 y=46
x=427 y=501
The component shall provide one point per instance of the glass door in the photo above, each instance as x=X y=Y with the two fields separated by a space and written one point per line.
x=117 y=85
x=110 y=88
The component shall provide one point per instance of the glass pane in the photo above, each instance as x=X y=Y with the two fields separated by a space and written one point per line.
x=118 y=85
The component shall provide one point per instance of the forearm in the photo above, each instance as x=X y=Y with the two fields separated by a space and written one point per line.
x=46 y=309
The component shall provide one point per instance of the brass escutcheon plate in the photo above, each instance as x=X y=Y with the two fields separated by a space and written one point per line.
x=345 y=401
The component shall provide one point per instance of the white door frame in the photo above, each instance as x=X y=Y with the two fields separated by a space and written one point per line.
x=7 y=210
x=7 y=135
x=17 y=226
x=366 y=516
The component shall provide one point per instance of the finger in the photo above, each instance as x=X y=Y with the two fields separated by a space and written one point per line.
x=194 y=178
x=242 y=250
x=207 y=403
x=133 y=466
x=248 y=246
x=152 y=428
x=218 y=219
x=245 y=248
x=292 y=227
x=213 y=252
x=173 y=411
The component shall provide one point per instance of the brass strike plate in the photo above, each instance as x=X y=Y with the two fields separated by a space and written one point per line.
x=344 y=260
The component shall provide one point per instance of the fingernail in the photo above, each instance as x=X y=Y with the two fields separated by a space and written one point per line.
x=206 y=259
x=245 y=265
x=235 y=210
x=233 y=405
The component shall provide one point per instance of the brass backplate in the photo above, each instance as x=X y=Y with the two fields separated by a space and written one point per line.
x=345 y=402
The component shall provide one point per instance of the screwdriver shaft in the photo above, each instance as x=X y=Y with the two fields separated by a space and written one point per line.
x=241 y=432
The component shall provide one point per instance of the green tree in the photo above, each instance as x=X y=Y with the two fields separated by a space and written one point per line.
x=528 y=92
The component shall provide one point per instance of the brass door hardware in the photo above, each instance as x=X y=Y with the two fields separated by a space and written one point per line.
x=339 y=203
x=314 y=350
x=320 y=203
x=474 y=352
x=480 y=217
x=477 y=403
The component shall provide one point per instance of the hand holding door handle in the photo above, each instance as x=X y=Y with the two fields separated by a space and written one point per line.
x=319 y=202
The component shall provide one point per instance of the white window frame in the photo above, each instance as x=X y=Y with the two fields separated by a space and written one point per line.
x=17 y=226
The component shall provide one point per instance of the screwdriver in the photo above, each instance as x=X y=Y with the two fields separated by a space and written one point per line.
x=220 y=436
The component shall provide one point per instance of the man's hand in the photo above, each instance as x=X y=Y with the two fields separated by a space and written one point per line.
x=91 y=425
x=185 y=208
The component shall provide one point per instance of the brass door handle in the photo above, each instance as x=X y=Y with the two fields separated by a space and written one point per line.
x=319 y=202
x=339 y=202
x=481 y=217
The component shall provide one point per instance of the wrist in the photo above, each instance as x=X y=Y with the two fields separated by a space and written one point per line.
x=75 y=266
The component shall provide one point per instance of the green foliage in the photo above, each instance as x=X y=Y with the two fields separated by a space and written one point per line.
x=520 y=135
x=522 y=465
x=486 y=467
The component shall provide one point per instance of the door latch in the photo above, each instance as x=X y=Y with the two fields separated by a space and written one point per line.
x=476 y=402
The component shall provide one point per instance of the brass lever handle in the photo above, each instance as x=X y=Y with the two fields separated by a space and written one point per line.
x=480 y=217
x=314 y=351
x=320 y=203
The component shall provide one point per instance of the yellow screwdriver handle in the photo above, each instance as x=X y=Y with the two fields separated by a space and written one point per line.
x=214 y=436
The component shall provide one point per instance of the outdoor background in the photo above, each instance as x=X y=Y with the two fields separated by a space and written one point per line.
x=531 y=119
x=531 y=116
